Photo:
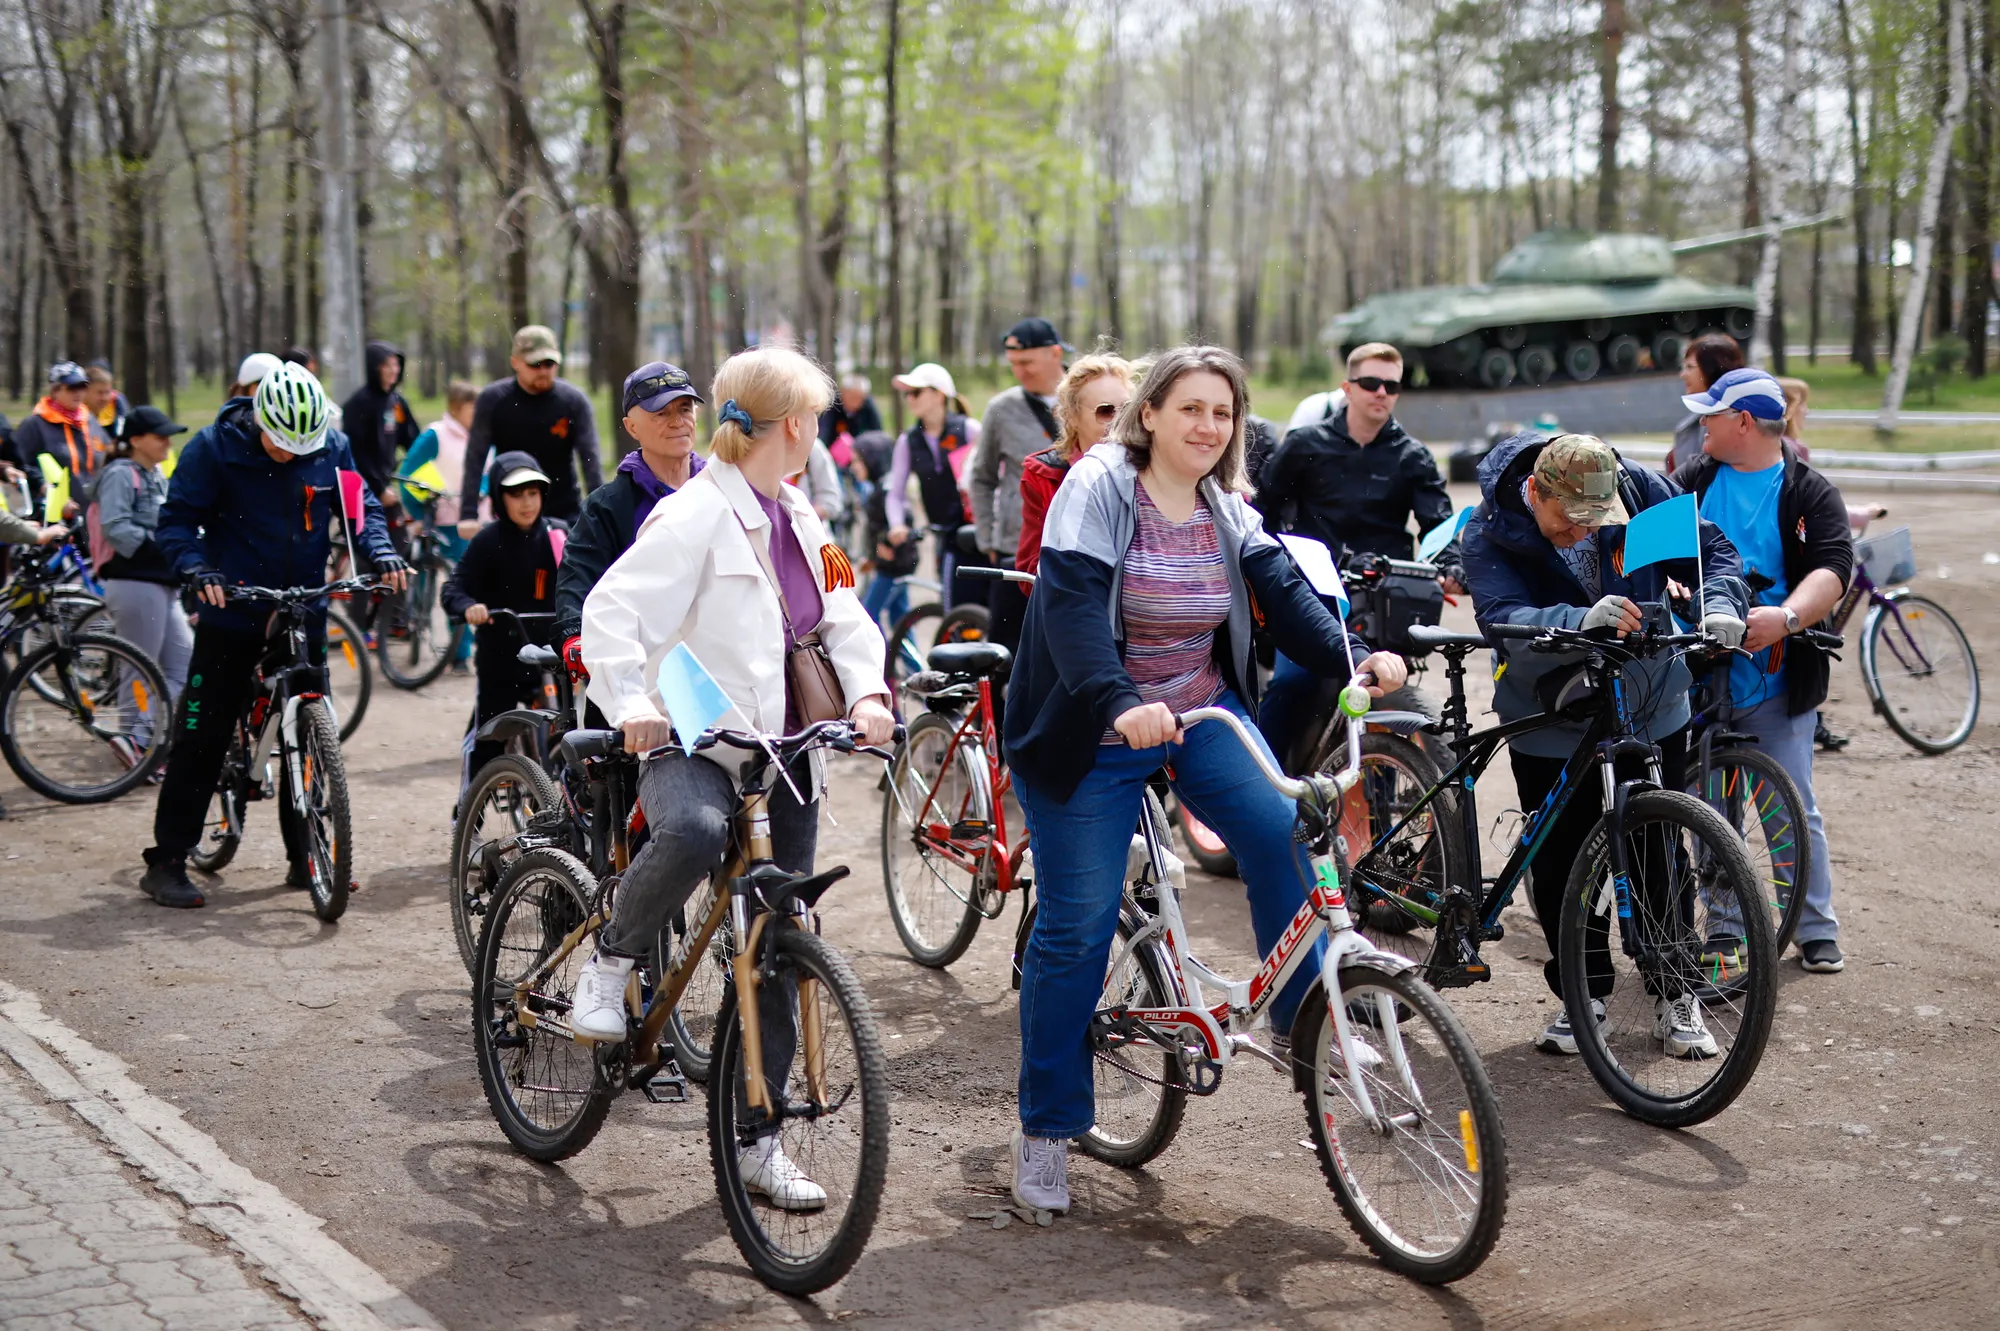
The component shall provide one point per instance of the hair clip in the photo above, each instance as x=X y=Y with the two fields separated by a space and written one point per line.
x=731 y=414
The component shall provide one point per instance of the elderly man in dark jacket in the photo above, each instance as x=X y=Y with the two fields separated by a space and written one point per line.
x=1547 y=547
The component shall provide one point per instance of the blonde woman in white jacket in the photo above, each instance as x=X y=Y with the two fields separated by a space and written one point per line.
x=696 y=574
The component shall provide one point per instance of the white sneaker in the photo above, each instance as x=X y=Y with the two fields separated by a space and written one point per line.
x=768 y=1170
x=597 y=1009
x=1558 y=1038
x=1677 y=1025
x=1041 y=1172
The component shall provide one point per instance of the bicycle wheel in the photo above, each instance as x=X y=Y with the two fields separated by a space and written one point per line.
x=414 y=635
x=934 y=895
x=507 y=791
x=1683 y=1030
x=104 y=730
x=1758 y=798
x=921 y=628
x=833 y=1120
x=1424 y=1182
x=1921 y=673
x=222 y=829
x=691 y=1026
x=350 y=679
x=327 y=826
x=1137 y=1086
x=1399 y=882
x=547 y=1091
x=79 y=611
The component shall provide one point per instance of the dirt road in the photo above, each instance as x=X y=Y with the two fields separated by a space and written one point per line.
x=1857 y=1182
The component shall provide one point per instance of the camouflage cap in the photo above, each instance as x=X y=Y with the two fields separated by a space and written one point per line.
x=1580 y=472
x=536 y=344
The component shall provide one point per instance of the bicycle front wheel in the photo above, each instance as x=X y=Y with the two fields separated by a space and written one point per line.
x=937 y=838
x=1678 y=955
x=327 y=824
x=1921 y=673
x=1423 y=1180
x=1399 y=881
x=350 y=679
x=507 y=792
x=1757 y=797
x=85 y=721
x=832 y=1125
x=413 y=634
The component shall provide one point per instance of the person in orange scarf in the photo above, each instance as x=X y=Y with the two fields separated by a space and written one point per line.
x=59 y=427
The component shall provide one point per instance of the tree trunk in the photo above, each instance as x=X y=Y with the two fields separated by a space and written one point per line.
x=135 y=280
x=1746 y=96
x=364 y=156
x=514 y=212
x=1942 y=306
x=1612 y=41
x=1862 y=352
x=1979 y=204
x=691 y=123
x=892 y=206
x=163 y=316
x=612 y=257
x=1768 y=330
x=17 y=306
x=1944 y=133
x=1813 y=293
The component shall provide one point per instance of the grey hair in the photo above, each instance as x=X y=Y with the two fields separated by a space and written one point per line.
x=858 y=382
x=1772 y=429
x=1168 y=369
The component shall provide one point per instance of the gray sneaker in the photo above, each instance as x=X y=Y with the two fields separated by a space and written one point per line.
x=1041 y=1172
x=1821 y=955
x=1678 y=1026
x=1558 y=1038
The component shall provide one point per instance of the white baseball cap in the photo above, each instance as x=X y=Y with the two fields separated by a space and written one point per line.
x=255 y=366
x=930 y=374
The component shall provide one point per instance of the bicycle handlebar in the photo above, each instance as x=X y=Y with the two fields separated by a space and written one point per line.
x=245 y=592
x=1284 y=785
x=998 y=575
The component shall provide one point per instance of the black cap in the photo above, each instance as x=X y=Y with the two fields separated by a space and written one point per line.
x=1031 y=333
x=653 y=385
x=514 y=469
x=149 y=420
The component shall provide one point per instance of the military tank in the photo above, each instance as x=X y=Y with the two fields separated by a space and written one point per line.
x=1576 y=304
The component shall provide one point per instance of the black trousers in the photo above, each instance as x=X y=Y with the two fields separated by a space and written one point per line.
x=1008 y=602
x=220 y=671
x=1549 y=874
x=503 y=684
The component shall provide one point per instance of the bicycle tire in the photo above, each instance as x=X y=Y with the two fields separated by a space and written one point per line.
x=1652 y=1088
x=909 y=645
x=935 y=913
x=149 y=696
x=470 y=894
x=346 y=642
x=79 y=612
x=1748 y=786
x=1417 y=866
x=1467 y=1125
x=550 y=891
x=1141 y=983
x=426 y=649
x=215 y=850
x=1927 y=615
x=807 y=1263
x=329 y=826
x=1222 y=864
x=691 y=1025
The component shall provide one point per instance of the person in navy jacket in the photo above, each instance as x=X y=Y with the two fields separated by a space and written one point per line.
x=253 y=501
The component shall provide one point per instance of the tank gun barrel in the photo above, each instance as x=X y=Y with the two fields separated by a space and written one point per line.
x=1723 y=240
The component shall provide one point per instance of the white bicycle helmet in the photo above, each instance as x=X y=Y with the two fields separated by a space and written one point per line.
x=291 y=408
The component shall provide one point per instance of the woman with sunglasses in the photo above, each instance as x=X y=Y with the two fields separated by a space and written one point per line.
x=1087 y=401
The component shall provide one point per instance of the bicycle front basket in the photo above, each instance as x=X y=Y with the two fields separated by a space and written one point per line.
x=1890 y=558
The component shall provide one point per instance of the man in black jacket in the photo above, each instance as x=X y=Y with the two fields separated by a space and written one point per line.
x=378 y=420
x=535 y=413
x=1789 y=524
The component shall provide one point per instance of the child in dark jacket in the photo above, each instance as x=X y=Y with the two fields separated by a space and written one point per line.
x=510 y=565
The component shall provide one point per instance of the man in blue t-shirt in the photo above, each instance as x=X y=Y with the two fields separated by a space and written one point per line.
x=1789 y=525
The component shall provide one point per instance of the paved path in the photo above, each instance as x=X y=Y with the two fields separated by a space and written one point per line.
x=82 y=1245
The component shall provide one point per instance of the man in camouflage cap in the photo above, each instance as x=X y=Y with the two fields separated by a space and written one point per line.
x=1547 y=548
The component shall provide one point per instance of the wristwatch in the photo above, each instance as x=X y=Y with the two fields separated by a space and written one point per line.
x=1791 y=619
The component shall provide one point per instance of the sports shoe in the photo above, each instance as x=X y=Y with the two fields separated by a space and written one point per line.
x=768 y=1170
x=1041 y=1172
x=299 y=877
x=166 y=882
x=1827 y=740
x=1677 y=1025
x=597 y=1009
x=1822 y=955
x=1724 y=958
x=1558 y=1038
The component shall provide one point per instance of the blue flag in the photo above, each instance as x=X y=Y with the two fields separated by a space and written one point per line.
x=1664 y=531
x=1444 y=534
x=694 y=700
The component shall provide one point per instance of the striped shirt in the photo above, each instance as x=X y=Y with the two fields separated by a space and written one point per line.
x=1175 y=596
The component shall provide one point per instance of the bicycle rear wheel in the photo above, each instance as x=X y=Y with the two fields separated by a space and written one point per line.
x=328 y=827
x=691 y=1027
x=504 y=794
x=1921 y=673
x=1757 y=797
x=1424 y=1182
x=1137 y=1086
x=1683 y=1029
x=933 y=899
x=85 y=721
x=921 y=628
x=350 y=679
x=414 y=636
x=833 y=1122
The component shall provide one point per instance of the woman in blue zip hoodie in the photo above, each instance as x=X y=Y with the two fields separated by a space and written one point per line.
x=253 y=501
x=1154 y=568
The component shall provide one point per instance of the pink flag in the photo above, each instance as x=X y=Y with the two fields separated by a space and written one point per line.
x=353 y=498
x=558 y=539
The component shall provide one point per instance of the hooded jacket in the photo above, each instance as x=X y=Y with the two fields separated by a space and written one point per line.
x=1516 y=577
x=1069 y=678
x=604 y=530
x=378 y=421
x=233 y=510
x=1320 y=483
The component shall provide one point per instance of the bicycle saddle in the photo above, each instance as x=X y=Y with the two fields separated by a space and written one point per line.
x=977 y=659
x=1433 y=637
x=539 y=658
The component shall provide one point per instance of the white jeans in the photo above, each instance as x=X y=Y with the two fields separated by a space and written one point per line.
x=148 y=615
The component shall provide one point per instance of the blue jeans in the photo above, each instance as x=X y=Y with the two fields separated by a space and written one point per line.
x=885 y=593
x=1789 y=739
x=1080 y=852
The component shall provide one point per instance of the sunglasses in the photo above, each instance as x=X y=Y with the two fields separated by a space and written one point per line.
x=1370 y=384
x=543 y=364
x=1106 y=410
x=912 y=394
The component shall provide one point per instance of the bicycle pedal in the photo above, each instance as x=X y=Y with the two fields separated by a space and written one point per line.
x=1461 y=977
x=965 y=829
x=667 y=1089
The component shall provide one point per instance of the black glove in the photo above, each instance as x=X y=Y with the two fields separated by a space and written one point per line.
x=392 y=564
x=202 y=579
x=1453 y=572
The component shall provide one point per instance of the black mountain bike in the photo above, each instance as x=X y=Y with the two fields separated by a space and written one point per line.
x=1664 y=918
x=287 y=747
x=414 y=638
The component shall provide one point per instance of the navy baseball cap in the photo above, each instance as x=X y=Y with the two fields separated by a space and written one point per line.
x=148 y=420
x=67 y=374
x=653 y=385
x=1748 y=390
x=1031 y=333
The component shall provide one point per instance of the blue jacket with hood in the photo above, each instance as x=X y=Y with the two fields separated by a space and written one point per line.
x=1516 y=577
x=233 y=510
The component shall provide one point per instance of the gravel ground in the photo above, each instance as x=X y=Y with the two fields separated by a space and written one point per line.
x=1855 y=1182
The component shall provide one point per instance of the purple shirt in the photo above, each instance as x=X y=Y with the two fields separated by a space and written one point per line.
x=651 y=488
x=796 y=580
